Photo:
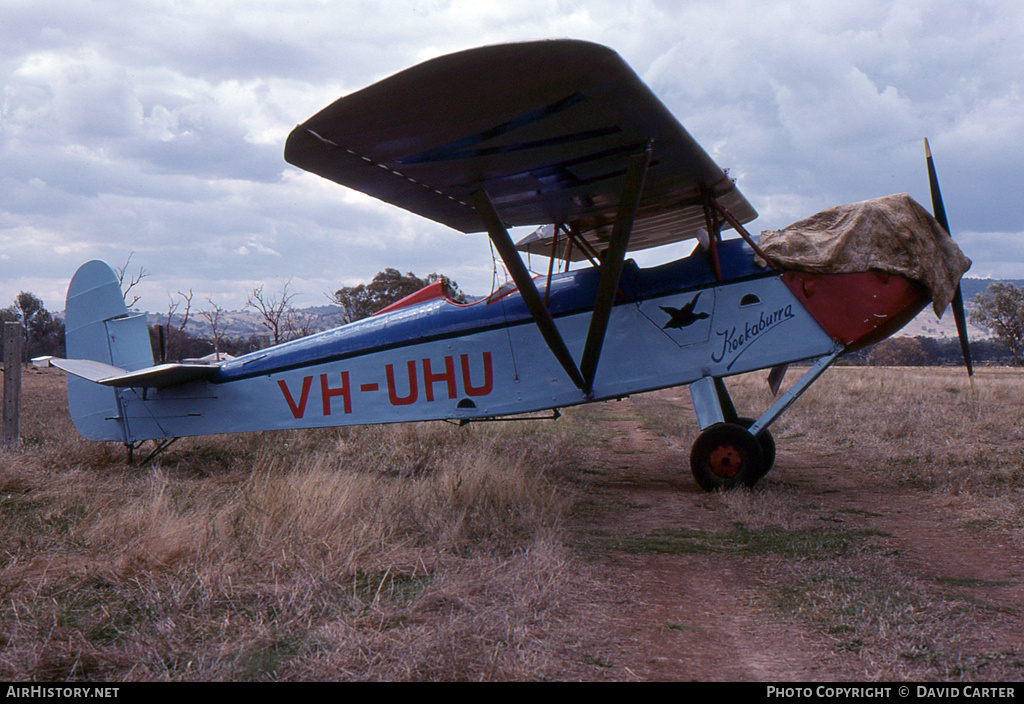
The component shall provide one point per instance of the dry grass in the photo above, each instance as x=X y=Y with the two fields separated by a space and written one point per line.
x=431 y=552
x=923 y=428
x=944 y=450
x=409 y=552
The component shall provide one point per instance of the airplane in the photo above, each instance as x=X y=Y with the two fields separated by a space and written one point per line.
x=561 y=135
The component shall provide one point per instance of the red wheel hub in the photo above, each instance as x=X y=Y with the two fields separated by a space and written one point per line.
x=726 y=461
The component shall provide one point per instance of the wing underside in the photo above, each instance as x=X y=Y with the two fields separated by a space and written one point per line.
x=545 y=129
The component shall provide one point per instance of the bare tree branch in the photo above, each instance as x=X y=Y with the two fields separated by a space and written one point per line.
x=212 y=316
x=187 y=297
x=132 y=280
x=274 y=310
x=172 y=336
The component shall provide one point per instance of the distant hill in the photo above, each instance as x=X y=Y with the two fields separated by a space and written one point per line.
x=972 y=287
x=245 y=323
x=927 y=325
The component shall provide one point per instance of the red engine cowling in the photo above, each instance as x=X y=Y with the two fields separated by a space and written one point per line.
x=858 y=309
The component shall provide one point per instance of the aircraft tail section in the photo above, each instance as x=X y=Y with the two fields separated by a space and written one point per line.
x=99 y=327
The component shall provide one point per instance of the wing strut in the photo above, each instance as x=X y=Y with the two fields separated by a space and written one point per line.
x=527 y=289
x=611 y=265
x=611 y=268
x=581 y=243
x=736 y=225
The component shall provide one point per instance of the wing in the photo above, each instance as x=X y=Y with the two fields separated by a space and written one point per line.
x=545 y=128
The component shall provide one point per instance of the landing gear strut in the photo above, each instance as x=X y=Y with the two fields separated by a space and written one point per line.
x=732 y=450
x=726 y=454
x=767 y=443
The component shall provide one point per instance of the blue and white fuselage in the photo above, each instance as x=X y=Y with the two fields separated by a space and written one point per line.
x=670 y=325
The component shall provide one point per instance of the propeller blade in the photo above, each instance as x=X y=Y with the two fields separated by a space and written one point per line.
x=939 y=210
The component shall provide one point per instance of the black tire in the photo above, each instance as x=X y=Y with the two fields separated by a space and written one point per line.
x=726 y=456
x=767 y=442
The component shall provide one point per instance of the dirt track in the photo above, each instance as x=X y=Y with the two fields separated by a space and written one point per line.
x=686 y=616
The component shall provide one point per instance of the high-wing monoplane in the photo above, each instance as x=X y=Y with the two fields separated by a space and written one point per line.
x=562 y=136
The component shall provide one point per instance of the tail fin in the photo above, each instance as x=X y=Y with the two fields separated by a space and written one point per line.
x=99 y=327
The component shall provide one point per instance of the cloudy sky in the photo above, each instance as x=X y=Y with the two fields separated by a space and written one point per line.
x=155 y=129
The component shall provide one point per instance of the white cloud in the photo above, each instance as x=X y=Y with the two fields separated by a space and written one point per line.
x=158 y=128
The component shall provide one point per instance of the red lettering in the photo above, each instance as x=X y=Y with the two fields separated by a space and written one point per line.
x=327 y=393
x=297 y=410
x=488 y=377
x=397 y=400
x=429 y=379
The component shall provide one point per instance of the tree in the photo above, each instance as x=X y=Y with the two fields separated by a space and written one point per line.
x=1000 y=308
x=212 y=316
x=132 y=280
x=278 y=315
x=176 y=340
x=388 y=286
x=44 y=334
x=898 y=352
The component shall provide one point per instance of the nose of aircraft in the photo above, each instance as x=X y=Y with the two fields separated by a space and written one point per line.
x=858 y=309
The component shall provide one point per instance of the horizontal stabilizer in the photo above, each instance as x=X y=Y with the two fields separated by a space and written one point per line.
x=160 y=376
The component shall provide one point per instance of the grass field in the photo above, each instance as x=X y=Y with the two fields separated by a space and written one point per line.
x=427 y=552
x=945 y=471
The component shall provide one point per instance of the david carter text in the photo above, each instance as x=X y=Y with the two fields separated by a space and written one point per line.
x=901 y=691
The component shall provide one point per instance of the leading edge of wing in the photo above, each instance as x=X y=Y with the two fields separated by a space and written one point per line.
x=545 y=128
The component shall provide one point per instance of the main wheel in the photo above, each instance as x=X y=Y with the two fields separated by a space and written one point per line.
x=767 y=442
x=726 y=456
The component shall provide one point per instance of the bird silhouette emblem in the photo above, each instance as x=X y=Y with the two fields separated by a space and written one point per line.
x=683 y=317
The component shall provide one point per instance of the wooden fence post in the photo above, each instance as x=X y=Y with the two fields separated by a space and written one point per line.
x=13 y=337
